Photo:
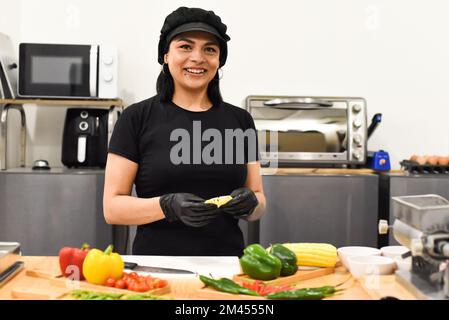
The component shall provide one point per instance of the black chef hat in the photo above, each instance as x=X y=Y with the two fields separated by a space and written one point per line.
x=186 y=19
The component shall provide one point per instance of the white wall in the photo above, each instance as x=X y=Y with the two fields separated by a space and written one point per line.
x=393 y=53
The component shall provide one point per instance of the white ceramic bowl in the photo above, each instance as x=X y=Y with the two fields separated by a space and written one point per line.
x=370 y=265
x=355 y=251
x=393 y=251
x=403 y=264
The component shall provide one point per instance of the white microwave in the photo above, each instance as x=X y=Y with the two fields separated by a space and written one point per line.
x=67 y=71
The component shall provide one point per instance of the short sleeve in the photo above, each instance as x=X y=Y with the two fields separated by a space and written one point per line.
x=125 y=136
x=252 y=147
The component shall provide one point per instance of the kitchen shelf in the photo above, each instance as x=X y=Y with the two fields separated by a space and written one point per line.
x=115 y=106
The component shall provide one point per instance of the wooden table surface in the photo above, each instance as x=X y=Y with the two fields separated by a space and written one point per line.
x=373 y=287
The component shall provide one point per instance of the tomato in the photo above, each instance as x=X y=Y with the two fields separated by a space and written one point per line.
x=163 y=283
x=133 y=286
x=133 y=275
x=110 y=282
x=120 y=284
x=149 y=282
x=142 y=287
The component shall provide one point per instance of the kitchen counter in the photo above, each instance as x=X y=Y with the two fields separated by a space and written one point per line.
x=326 y=171
x=184 y=287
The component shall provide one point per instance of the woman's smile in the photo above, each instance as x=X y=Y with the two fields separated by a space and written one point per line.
x=196 y=72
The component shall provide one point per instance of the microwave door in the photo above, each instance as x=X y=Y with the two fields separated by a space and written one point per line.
x=54 y=70
x=93 y=86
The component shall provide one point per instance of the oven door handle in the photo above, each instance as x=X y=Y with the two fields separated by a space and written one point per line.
x=298 y=103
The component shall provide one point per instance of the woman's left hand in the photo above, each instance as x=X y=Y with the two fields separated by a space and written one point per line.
x=242 y=204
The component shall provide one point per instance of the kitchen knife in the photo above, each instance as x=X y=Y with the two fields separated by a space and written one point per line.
x=135 y=267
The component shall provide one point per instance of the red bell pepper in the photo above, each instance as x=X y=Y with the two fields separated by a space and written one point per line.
x=71 y=261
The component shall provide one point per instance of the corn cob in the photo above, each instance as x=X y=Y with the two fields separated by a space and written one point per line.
x=314 y=254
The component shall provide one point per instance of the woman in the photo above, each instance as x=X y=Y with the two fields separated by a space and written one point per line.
x=164 y=146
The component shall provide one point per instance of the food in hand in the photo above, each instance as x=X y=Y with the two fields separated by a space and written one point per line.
x=219 y=201
x=71 y=261
x=314 y=254
x=98 y=266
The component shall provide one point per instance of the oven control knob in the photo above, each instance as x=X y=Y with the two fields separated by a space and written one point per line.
x=84 y=114
x=357 y=123
x=357 y=155
x=356 y=108
x=83 y=126
x=107 y=76
x=108 y=60
x=357 y=140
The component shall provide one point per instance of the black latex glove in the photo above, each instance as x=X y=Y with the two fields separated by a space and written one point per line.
x=243 y=203
x=188 y=208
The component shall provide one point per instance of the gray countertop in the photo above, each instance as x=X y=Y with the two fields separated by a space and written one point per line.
x=54 y=171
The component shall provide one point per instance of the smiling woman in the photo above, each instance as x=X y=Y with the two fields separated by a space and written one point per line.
x=171 y=211
x=193 y=60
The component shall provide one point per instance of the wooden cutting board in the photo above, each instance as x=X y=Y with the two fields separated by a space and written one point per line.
x=300 y=275
x=66 y=285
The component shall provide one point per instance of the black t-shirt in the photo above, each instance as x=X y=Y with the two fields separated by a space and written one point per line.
x=143 y=134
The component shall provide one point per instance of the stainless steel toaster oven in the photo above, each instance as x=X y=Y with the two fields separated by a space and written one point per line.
x=310 y=131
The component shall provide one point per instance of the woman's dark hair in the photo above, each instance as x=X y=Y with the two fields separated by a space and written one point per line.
x=165 y=87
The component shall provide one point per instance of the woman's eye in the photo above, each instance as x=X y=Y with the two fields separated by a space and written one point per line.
x=211 y=50
x=185 y=46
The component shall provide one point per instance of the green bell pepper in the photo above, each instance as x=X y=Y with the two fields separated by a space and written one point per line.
x=259 y=264
x=287 y=257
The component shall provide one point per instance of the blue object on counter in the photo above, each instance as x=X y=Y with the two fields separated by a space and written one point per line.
x=381 y=161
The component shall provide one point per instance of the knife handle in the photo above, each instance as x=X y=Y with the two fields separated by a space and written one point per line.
x=130 y=265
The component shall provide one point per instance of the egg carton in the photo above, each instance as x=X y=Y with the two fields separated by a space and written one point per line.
x=416 y=168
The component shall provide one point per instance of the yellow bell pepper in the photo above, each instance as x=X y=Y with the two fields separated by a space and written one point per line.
x=99 y=265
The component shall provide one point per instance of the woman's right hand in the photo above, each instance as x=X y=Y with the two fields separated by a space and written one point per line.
x=188 y=208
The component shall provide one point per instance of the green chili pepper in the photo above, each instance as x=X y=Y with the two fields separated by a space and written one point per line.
x=304 y=294
x=260 y=264
x=301 y=294
x=287 y=257
x=92 y=295
x=227 y=285
x=326 y=289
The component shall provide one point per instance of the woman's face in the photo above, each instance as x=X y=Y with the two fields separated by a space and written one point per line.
x=193 y=60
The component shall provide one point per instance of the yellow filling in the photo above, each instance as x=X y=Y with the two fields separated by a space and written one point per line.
x=219 y=201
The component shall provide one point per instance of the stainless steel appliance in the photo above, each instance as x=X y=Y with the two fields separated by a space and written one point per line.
x=310 y=130
x=8 y=68
x=422 y=224
x=67 y=71
x=9 y=261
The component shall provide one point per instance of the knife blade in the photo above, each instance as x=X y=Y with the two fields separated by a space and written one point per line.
x=135 y=267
